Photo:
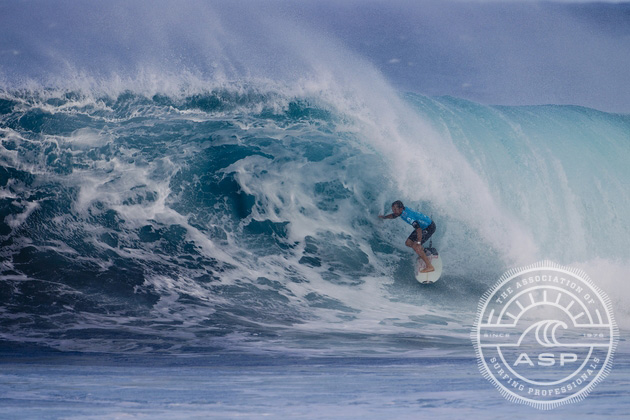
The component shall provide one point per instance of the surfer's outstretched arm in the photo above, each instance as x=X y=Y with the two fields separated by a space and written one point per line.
x=388 y=216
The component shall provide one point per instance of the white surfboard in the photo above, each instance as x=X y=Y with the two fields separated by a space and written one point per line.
x=433 y=276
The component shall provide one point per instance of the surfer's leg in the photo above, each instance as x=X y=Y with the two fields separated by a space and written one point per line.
x=420 y=251
x=412 y=242
x=412 y=239
x=427 y=233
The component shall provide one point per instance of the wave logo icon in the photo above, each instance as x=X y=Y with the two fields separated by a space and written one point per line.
x=545 y=335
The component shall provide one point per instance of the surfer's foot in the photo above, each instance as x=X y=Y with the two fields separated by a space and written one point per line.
x=428 y=269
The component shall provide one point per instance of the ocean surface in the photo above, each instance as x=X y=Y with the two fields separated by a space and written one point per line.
x=175 y=246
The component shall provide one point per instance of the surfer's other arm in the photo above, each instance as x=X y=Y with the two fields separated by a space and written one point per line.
x=387 y=216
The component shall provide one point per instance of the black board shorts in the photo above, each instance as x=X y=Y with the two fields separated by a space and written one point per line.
x=426 y=233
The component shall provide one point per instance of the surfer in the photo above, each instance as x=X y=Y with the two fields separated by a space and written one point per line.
x=424 y=227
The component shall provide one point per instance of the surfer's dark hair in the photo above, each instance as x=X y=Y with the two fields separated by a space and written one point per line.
x=398 y=204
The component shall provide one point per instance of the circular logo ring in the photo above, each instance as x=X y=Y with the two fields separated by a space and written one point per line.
x=545 y=335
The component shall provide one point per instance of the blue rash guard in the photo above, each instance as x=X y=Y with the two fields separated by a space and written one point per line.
x=411 y=217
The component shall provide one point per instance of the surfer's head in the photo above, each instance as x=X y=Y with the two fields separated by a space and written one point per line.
x=397 y=207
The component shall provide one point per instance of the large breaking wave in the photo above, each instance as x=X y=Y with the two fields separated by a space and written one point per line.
x=222 y=192
x=246 y=218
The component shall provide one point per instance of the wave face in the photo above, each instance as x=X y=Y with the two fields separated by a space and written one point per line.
x=244 y=217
